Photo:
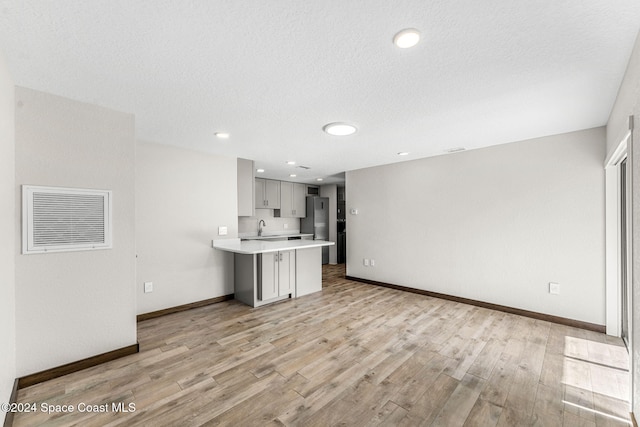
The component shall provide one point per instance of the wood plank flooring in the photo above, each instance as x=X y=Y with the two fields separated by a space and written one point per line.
x=351 y=355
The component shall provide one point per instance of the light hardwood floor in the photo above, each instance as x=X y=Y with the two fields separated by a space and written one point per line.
x=352 y=355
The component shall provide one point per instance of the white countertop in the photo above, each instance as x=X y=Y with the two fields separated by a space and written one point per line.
x=252 y=247
x=275 y=236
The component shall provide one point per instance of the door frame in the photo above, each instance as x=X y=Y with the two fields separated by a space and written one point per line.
x=613 y=275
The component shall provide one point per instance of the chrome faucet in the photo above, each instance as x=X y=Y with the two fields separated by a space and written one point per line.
x=260 y=224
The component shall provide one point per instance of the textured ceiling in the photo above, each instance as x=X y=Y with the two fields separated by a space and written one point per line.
x=272 y=73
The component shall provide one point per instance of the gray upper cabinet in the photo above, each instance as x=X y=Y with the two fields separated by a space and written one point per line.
x=292 y=200
x=246 y=197
x=267 y=194
x=299 y=200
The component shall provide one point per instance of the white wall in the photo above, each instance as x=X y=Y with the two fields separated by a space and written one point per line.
x=496 y=224
x=628 y=103
x=73 y=305
x=182 y=197
x=7 y=223
x=248 y=225
x=635 y=218
x=331 y=191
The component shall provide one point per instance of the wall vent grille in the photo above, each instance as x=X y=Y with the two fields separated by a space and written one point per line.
x=65 y=219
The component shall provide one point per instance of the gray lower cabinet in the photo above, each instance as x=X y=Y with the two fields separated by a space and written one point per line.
x=264 y=278
x=276 y=274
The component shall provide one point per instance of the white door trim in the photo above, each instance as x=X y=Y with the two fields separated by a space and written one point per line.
x=612 y=239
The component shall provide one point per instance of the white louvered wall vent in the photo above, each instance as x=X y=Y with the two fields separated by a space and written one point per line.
x=65 y=219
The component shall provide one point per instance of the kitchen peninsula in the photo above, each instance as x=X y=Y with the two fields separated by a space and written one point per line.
x=269 y=271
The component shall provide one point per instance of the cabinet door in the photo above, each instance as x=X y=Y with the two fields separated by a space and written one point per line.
x=286 y=201
x=259 y=191
x=286 y=272
x=272 y=193
x=299 y=201
x=268 y=279
x=246 y=188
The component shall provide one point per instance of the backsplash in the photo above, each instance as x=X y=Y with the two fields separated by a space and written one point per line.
x=248 y=225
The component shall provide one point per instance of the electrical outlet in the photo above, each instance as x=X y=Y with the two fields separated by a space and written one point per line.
x=148 y=287
x=286 y=225
x=372 y=262
x=365 y=262
x=554 y=288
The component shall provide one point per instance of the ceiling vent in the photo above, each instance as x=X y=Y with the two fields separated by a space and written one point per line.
x=65 y=219
x=455 y=150
x=304 y=167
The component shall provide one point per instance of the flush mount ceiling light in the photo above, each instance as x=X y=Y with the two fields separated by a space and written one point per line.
x=260 y=170
x=403 y=153
x=407 y=38
x=291 y=162
x=293 y=175
x=222 y=135
x=319 y=179
x=339 y=129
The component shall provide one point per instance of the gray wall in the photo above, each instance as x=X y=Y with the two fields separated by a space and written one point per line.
x=496 y=224
x=628 y=103
x=182 y=197
x=73 y=305
x=7 y=214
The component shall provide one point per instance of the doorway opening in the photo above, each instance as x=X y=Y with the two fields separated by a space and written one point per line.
x=624 y=252
x=617 y=242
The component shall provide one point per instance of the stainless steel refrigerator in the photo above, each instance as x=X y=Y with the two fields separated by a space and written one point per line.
x=317 y=222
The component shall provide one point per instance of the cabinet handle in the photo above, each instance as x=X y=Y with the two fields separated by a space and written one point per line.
x=280 y=257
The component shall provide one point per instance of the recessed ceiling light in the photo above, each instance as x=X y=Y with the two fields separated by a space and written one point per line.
x=291 y=162
x=339 y=129
x=222 y=135
x=319 y=179
x=260 y=170
x=293 y=175
x=406 y=38
x=403 y=153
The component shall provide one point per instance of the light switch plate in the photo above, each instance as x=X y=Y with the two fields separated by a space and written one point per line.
x=222 y=231
x=554 y=288
x=148 y=287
